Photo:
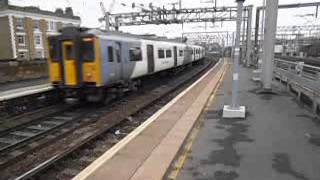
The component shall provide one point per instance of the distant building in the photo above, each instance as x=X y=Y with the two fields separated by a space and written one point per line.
x=24 y=30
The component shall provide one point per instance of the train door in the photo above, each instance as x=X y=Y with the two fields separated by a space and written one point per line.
x=112 y=63
x=194 y=54
x=69 y=62
x=118 y=64
x=150 y=56
x=175 y=56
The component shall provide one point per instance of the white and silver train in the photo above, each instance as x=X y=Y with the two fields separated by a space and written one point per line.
x=88 y=61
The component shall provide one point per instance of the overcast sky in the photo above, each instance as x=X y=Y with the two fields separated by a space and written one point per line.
x=89 y=11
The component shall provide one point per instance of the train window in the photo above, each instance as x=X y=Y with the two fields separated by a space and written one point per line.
x=180 y=52
x=118 y=55
x=110 y=53
x=135 y=54
x=53 y=51
x=69 y=52
x=87 y=49
x=160 y=53
x=168 y=53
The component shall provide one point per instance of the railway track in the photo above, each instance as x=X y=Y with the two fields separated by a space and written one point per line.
x=19 y=105
x=21 y=135
x=71 y=131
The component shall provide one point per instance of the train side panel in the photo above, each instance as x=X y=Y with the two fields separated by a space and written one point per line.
x=110 y=65
x=163 y=56
x=134 y=64
x=138 y=57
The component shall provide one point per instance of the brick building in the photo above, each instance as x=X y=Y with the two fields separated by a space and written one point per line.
x=24 y=30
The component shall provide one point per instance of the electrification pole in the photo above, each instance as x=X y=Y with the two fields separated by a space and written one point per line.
x=268 y=42
x=234 y=103
x=243 y=41
x=262 y=21
x=236 y=111
x=249 y=44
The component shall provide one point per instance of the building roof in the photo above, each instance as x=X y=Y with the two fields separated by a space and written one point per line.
x=36 y=10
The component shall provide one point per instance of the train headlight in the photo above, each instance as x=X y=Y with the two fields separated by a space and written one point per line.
x=89 y=76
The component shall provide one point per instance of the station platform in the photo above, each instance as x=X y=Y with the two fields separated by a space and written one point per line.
x=147 y=152
x=272 y=143
x=24 y=91
x=7 y=86
x=188 y=138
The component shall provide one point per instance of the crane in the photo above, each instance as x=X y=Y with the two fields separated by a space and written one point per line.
x=106 y=13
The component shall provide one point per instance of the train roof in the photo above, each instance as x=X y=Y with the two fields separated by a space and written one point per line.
x=99 y=32
x=133 y=36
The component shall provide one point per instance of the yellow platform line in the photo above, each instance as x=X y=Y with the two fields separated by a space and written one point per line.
x=187 y=148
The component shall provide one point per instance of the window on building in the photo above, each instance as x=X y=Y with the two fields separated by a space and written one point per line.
x=21 y=40
x=168 y=53
x=52 y=26
x=19 y=23
x=36 y=24
x=39 y=54
x=110 y=53
x=135 y=54
x=37 y=40
x=160 y=53
x=180 y=52
x=22 y=55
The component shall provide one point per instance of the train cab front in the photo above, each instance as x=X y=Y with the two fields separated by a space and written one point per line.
x=54 y=62
x=90 y=58
x=73 y=63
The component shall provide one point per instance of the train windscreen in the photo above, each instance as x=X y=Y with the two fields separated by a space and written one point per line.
x=87 y=49
x=69 y=52
x=53 y=50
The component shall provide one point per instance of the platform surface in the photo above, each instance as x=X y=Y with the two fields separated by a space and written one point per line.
x=270 y=144
x=150 y=151
x=24 y=91
x=23 y=84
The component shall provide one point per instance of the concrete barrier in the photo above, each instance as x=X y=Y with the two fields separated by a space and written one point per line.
x=22 y=70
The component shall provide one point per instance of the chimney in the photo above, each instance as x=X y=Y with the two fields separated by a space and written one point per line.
x=69 y=11
x=59 y=11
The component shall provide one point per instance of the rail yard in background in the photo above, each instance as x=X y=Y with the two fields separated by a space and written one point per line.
x=229 y=100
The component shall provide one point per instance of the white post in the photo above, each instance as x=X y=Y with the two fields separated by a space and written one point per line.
x=268 y=42
x=249 y=44
x=236 y=111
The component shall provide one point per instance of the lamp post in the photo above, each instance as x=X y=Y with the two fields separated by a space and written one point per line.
x=234 y=110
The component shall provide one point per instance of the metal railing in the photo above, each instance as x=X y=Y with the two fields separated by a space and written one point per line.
x=301 y=78
x=300 y=69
